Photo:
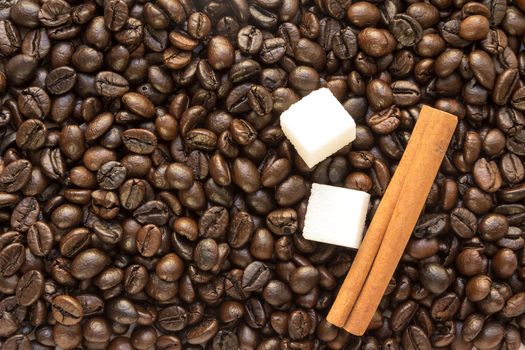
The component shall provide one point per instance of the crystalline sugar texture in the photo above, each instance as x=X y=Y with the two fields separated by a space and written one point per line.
x=318 y=126
x=336 y=215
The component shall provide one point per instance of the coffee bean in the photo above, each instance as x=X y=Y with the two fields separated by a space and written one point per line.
x=406 y=30
x=487 y=175
x=282 y=221
x=25 y=214
x=140 y=141
x=40 y=238
x=66 y=310
x=74 y=242
x=504 y=86
x=34 y=103
x=53 y=163
x=205 y=254
x=250 y=39
x=245 y=175
x=121 y=310
x=363 y=14
x=10 y=39
x=139 y=104
x=29 y=288
x=376 y=42
x=111 y=175
x=344 y=44
x=15 y=175
x=31 y=134
x=110 y=84
x=199 y=25
x=255 y=276
x=115 y=14
x=511 y=168
x=60 y=80
x=148 y=240
x=474 y=27
x=272 y=50
x=220 y=53
x=415 y=338
x=21 y=68
x=88 y=263
x=483 y=68
x=203 y=332
x=135 y=278
x=403 y=314
x=54 y=13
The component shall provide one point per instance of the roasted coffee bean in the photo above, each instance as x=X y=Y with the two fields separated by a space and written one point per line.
x=20 y=69
x=110 y=84
x=241 y=229
x=384 y=122
x=435 y=278
x=67 y=310
x=173 y=318
x=474 y=27
x=121 y=310
x=405 y=93
x=176 y=59
x=29 y=288
x=221 y=53
x=10 y=38
x=272 y=50
x=135 y=278
x=415 y=338
x=115 y=14
x=487 y=175
x=376 y=42
x=75 y=241
x=255 y=276
x=405 y=29
x=148 y=240
x=25 y=214
x=88 y=263
x=345 y=44
x=60 y=80
x=31 y=134
x=54 y=13
x=40 y=239
x=140 y=141
x=139 y=104
x=36 y=43
x=250 y=39
x=15 y=175
x=111 y=175
x=463 y=222
x=11 y=251
x=34 y=102
x=403 y=314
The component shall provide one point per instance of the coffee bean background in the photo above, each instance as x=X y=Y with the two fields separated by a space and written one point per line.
x=149 y=198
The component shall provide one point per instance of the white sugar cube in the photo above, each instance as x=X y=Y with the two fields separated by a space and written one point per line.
x=318 y=126
x=336 y=215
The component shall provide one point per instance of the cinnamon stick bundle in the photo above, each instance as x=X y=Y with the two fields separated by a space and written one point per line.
x=367 y=252
x=393 y=222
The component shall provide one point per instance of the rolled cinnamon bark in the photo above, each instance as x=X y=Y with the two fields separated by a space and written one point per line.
x=369 y=247
x=407 y=209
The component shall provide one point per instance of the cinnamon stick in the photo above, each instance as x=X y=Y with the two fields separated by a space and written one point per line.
x=367 y=252
x=410 y=203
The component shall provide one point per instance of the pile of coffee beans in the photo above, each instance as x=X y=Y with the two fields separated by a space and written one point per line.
x=149 y=200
